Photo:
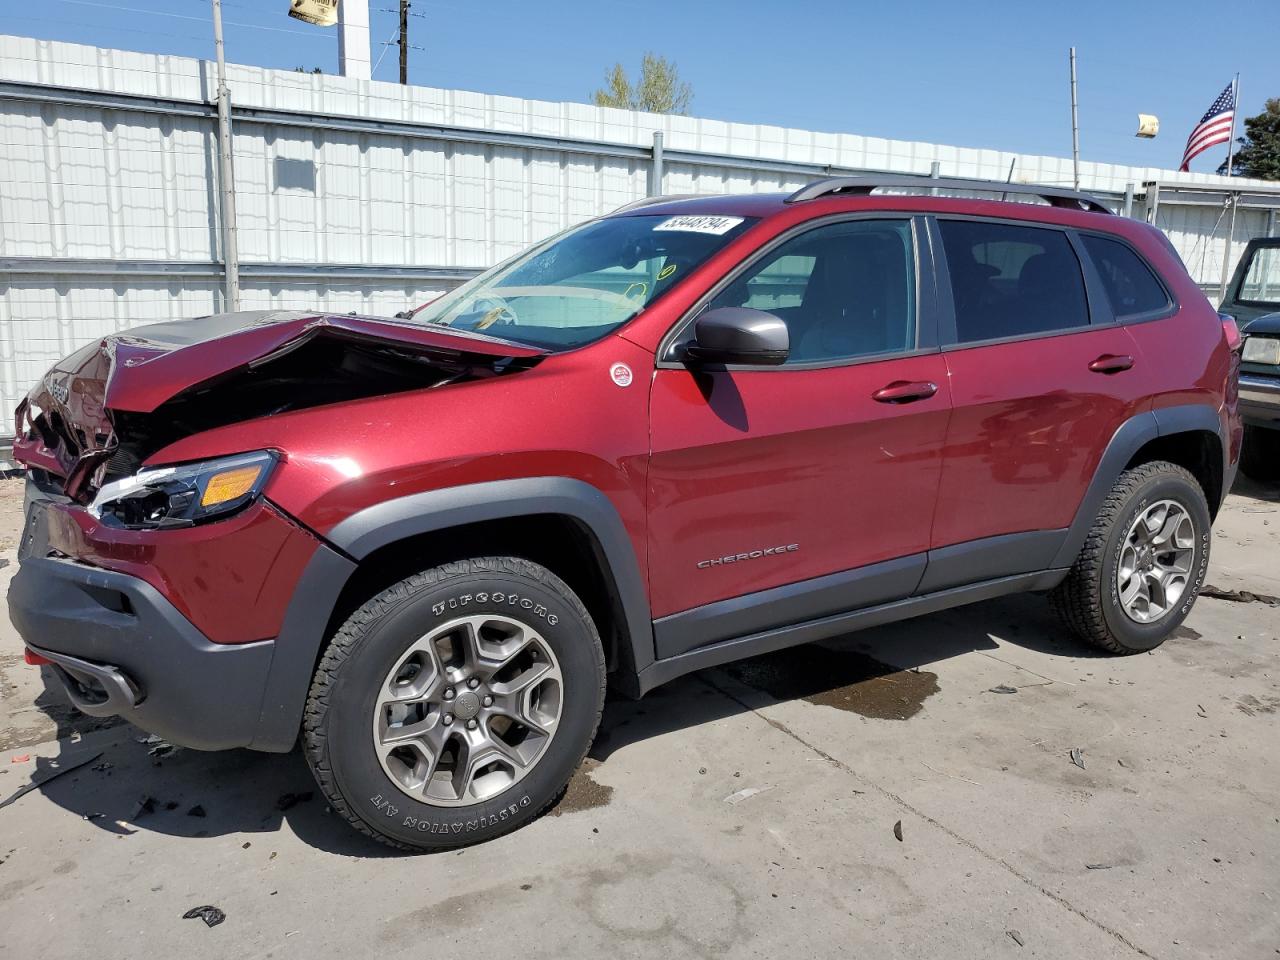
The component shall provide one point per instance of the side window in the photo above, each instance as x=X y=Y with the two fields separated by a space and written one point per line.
x=846 y=290
x=1131 y=286
x=1262 y=280
x=1011 y=281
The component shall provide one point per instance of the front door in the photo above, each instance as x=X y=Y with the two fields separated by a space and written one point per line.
x=795 y=475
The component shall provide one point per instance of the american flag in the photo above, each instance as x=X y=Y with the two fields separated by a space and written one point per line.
x=1214 y=126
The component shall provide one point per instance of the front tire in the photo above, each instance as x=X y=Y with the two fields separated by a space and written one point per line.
x=454 y=706
x=1142 y=564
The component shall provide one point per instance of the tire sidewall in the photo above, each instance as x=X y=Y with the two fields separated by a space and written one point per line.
x=1147 y=636
x=377 y=799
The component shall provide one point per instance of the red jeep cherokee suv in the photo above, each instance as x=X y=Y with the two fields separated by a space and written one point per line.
x=694 y=430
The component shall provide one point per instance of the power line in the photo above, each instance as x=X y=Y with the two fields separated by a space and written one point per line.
x=180 y=16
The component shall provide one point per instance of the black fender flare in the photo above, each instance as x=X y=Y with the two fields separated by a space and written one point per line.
x=359 y=535
x=1131 y=436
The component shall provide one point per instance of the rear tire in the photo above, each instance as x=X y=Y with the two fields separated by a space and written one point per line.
x=1260 y=458
x=454 y=706
x=1112 y=596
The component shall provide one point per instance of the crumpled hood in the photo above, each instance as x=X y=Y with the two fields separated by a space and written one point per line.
x=69 y=422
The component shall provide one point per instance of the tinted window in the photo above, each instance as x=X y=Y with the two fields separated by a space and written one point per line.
x=1262 y=278
x=1010 y=281
x=845 y=290
x=1131 y=286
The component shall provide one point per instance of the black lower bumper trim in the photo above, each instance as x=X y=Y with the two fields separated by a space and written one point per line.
x=122 y=649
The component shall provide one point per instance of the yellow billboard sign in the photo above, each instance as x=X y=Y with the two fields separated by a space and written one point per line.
x=323 y=13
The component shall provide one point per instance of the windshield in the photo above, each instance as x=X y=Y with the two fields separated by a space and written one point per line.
x=583 y=283
x=1262 y=280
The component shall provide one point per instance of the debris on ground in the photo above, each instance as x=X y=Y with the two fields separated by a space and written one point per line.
x=196 y=811
x=1238 y=596
x=161 y=749
x=288 y=801
x=1200 y=711
x=738 y=796
x=91 y=816
x=1016 y=937
x=20 y=758
x=1003 y=688
x=211 y=916
x=145 y=805
x=58 y=766
x=1098 y=866
x=1077 y=757
x=246 y=845
x=103 y=766
x=897 y=830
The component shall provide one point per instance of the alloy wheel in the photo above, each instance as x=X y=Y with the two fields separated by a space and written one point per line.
x=1155 y=561
x=468 y=710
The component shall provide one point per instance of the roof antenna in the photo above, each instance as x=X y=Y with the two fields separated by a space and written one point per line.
x=1009 y=179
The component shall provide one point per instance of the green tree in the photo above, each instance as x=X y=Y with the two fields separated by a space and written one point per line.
x=1258 y=153
x=659 y=89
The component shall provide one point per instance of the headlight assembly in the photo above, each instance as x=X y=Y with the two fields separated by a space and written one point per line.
x=1262 y=350
x=183 y=495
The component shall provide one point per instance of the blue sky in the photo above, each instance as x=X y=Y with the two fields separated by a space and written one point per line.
x=983 y=74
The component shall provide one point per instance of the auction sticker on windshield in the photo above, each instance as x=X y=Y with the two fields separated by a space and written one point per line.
x=691 y=224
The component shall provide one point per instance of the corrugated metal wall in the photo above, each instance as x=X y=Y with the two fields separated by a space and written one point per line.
x=357 y=195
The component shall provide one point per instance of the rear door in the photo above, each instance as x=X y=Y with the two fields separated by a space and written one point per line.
x=762 y=477
x=1041 y=378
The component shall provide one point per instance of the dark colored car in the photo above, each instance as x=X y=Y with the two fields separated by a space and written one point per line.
x=1253 y=299
x=688 y=432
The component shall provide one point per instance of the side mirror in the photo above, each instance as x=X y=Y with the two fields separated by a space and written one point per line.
x=739 y=335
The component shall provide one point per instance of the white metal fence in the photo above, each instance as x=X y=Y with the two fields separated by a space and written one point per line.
x=366 y=196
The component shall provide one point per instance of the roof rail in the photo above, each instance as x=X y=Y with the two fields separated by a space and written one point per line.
x=1055 y=196
x=665 y=198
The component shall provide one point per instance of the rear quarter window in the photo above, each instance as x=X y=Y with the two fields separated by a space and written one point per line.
x=1131 y=285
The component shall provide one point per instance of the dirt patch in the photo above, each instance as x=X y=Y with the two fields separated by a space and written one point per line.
x=11 y=498
x=1251 y=706
x=844 y=679
x=583 y=793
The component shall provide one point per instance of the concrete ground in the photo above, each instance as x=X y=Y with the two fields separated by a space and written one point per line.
x=742 y=812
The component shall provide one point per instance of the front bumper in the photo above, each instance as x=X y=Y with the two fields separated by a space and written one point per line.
x=121 y=649
x=1260 y=399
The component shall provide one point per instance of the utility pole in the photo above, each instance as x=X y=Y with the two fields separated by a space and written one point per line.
x=230 y=244
x=404 y=41
x=1075 y=125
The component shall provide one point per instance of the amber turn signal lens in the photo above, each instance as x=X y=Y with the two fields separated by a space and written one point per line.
x=230 y=484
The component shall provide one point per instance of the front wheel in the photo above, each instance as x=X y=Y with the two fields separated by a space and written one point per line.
x=455 y=705
x=1143 y=562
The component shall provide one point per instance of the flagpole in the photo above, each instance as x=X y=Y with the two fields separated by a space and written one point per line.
x=1233 y=195
x=1235 y=108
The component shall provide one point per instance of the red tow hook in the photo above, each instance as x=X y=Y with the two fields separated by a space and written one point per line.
x=35 y=659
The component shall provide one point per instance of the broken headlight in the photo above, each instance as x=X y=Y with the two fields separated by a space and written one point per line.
x=183 y=495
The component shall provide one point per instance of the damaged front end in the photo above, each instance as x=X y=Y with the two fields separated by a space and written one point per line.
x=96 y=417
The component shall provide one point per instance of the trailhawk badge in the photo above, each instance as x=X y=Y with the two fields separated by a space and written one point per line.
x=621 y=374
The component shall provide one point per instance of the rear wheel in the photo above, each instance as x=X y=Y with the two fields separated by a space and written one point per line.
x=454 y=706
x=1142 y=564
x=1260 y=458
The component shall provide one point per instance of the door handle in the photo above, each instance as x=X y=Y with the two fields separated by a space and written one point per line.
x=1111 y=363
x=905 y=391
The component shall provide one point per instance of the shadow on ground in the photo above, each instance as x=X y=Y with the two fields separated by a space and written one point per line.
x=877 y=673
